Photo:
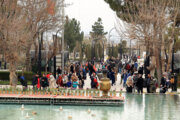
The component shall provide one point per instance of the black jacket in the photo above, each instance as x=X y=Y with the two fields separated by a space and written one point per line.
x=34 y=81
x=139 y=83
x=163 y=81
x=44 y=82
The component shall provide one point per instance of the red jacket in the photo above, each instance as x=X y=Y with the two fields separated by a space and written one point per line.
x=38 y=83
x=59 y=81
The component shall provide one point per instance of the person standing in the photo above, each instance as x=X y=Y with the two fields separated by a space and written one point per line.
x=112 y=77
x=84 y=73
x=65 y=80
x=139 y=84
x=44 y=82
x=120 y=67
x=72 y=68
x=52 y=82
x=163 y=85
x=23 y=82
x=163 y=80
x=125 y=76
x=94 y=82
x=59 y=81
x=36 y=82
x=59 y=71
x=172 y=83
x=148 y=83
x=91 y=70
x=129 y=85
x=74 y=81
x=135 y=79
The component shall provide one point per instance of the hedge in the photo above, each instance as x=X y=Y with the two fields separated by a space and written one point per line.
x=4 y=75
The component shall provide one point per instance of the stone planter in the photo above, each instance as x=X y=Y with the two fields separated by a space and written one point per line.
x=105 y=84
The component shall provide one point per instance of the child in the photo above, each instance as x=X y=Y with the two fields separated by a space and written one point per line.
x=74 y=81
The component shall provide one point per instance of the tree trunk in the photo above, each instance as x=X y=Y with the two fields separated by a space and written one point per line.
x=35 y=54
x=158 y=64
x=152 y=66
x=28 y=60
x=166 y=60
x=12 y=75
x=170 y=56
x=81 y=53
x=163 y=53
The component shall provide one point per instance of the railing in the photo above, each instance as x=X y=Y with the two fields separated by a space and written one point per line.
x=59 y=92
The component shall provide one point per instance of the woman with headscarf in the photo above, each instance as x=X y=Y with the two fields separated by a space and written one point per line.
x=129 y=85
x=52 y=82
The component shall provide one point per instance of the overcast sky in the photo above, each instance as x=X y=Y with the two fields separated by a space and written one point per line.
x=88 y=11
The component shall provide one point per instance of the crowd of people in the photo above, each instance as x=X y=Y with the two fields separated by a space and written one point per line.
x=76 y=73
x=73 y=77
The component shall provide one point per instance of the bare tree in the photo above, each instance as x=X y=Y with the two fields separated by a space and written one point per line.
x=20 y=23
x=13 y=34
x=147 y=22
x=43 y=16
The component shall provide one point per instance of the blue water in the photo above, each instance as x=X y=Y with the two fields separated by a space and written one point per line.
x=136 y=107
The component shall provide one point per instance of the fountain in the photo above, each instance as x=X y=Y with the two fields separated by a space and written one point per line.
x=22 y=107
x=27 y=115
x=61 y=109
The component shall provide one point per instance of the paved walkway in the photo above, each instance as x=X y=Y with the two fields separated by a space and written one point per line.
x=116 y=87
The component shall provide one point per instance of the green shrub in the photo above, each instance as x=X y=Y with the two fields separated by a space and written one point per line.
x=4 y=76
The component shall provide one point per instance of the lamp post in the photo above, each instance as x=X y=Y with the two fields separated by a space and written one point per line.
x=172 y=65
x=112 y=49
x=109 y=39
x=103 y=49
x=40 y=39
x=92 y=50
x=54 y=39
x=63 y=13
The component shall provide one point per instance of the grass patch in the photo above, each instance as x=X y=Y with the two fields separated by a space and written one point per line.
x=7 y=83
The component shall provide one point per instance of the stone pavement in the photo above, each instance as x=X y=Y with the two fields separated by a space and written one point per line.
x=116 y=87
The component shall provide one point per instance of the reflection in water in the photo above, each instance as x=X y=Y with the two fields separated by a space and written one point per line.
x=136 y=107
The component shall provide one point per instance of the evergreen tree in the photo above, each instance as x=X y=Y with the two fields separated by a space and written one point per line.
x=98 y=29
x=72 y=33
x=97 y=34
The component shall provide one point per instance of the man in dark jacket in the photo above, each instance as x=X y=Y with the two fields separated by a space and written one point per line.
x=23 y=82
x=59 y=71
x=91 y=70
x=112 y=77
x=72 y=68
x=163 y=81
x=164 y=85
x=35 y=81
x=44 y=81
x=140 y=84
x=148 y=83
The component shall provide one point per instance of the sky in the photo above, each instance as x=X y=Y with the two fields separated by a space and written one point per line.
x=88 y=11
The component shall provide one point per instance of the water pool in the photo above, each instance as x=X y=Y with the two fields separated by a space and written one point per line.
x=136 y=107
